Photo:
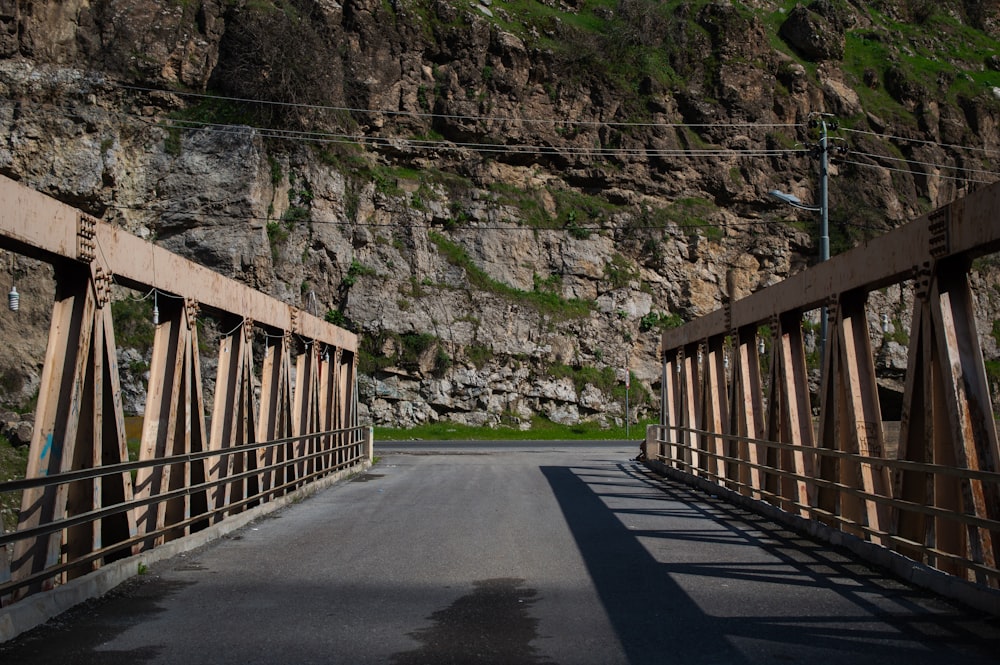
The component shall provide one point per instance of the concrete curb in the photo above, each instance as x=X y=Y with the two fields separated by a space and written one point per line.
x=970 y=594
x=38 y=608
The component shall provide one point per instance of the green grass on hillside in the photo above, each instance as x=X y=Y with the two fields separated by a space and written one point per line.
x=544 y=301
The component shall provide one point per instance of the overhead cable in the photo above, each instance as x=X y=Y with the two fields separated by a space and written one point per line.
x=446 y=116
x=908 y=172
x=989 y=151
x=507 y=148
x=469 y=225
x=930 y=164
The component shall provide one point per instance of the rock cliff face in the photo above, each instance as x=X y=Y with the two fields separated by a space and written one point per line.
x=508 y=201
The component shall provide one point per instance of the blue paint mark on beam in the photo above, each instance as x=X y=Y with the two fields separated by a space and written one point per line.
x=46 y=449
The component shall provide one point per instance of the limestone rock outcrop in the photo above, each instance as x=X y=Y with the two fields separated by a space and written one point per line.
x=508 y=206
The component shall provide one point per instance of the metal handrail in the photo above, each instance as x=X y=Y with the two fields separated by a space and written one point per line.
x=124 y=467
x=83 y=518
x=927 y=467
x=685 y=466
x=262 y=495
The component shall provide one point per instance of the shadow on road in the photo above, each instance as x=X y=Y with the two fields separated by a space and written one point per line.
x=657 y=621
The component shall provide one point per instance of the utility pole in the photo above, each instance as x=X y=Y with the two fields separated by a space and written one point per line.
x=628 y=381
x=819 y=120
x=824 y=225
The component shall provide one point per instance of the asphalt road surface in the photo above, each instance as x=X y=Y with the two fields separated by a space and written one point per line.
x=512 y=554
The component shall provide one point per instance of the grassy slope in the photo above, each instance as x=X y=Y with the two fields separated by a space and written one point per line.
x=933 y=50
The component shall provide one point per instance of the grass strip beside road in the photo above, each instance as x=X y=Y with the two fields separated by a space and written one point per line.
x=541 y=430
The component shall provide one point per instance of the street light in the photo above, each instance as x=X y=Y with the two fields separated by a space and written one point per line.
x=792 y=200
x=823 y=209
x=824 y=245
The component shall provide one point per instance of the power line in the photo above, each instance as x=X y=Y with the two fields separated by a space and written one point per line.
x=441 y=144
x=920 y=163
x=445 y=116
x=890 y=137
x=358 y=138
x=444 y=144
x=908 y=172
x=537 y=149
x=595 y=228
x=383 y=142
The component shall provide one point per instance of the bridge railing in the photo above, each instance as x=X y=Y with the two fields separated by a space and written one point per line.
x=932 y=494
x=259 y=483
x=743 y=467
x=270 y=430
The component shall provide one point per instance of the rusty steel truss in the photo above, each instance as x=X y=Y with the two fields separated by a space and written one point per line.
x=736 y=406
x=84 y=503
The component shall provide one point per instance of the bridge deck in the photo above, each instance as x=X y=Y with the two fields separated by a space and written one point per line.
x=516 y=554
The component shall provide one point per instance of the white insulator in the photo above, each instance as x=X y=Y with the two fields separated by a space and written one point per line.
x=14 y=299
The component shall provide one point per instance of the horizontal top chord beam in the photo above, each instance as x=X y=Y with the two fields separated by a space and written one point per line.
x=40 y=226
x=967 y=226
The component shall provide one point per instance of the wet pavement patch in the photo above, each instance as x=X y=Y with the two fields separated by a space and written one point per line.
x=490 y=625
